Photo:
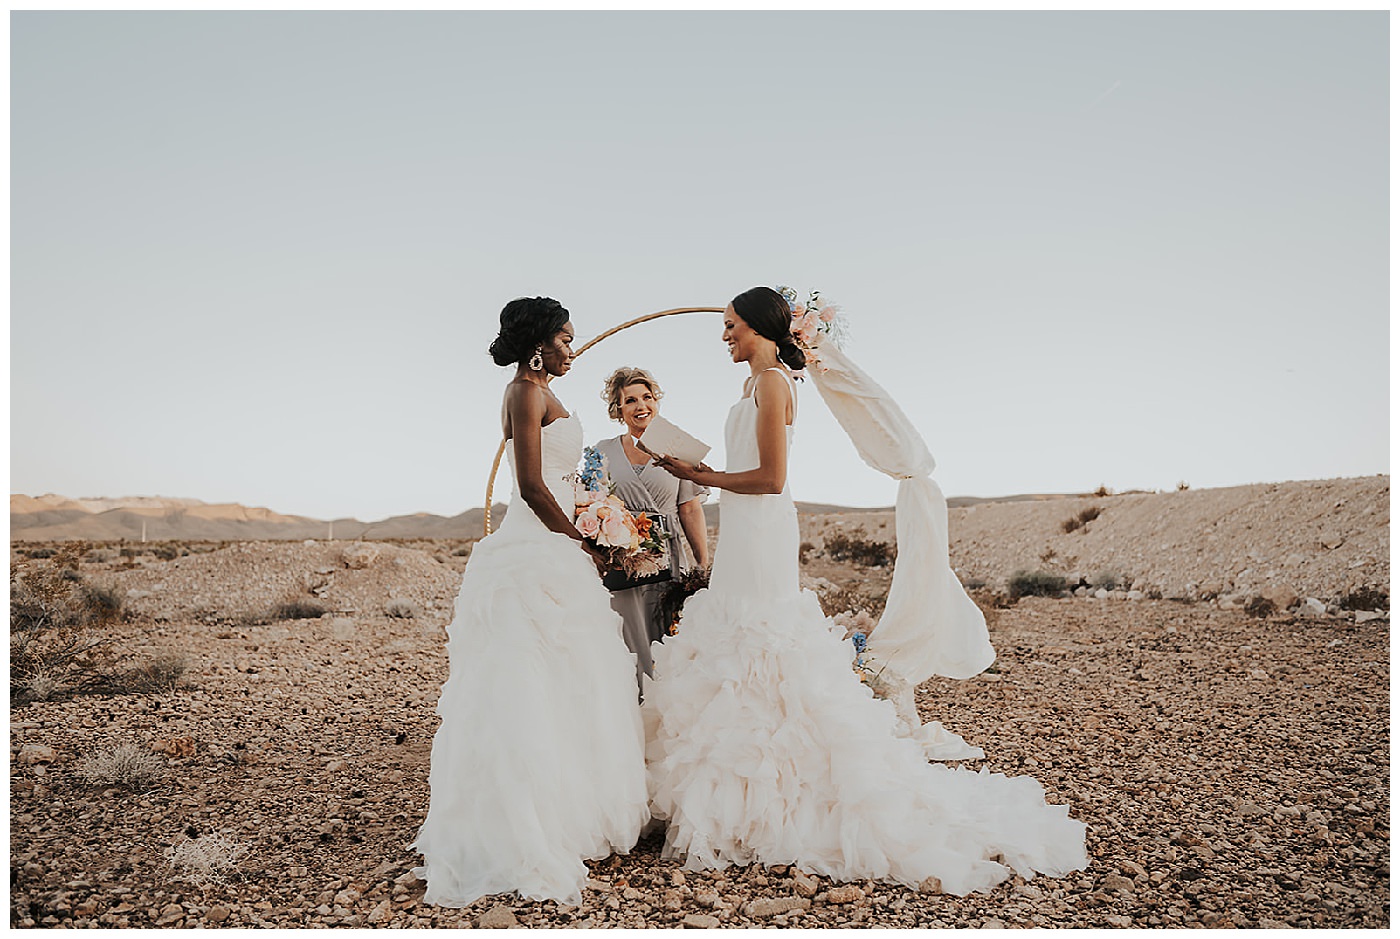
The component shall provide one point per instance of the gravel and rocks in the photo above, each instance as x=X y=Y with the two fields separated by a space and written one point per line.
x=1232 y=768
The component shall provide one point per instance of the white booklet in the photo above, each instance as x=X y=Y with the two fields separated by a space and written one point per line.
x=663 y=437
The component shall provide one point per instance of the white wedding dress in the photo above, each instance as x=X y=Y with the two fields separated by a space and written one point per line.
x=764 y=746
x=538 y=763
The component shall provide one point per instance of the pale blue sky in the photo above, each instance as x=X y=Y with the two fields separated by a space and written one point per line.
x=258 y=257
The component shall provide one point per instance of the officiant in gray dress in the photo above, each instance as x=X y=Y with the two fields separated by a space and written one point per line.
x=633 y=396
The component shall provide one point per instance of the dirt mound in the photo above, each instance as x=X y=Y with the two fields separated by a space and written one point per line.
x=1320 y=538
x=250 y=580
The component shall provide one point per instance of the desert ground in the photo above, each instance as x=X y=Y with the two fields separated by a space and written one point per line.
x=247 y=744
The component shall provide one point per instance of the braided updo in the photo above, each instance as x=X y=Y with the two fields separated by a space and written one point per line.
x=526 y=324
x=768 y=314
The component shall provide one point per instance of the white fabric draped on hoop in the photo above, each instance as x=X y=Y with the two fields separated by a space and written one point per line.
x=930 y=625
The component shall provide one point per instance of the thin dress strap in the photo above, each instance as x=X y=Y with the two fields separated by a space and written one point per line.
x=792 y=389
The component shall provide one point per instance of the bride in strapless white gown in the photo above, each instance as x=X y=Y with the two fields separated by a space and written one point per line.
x=764 y=746
x=538 y=763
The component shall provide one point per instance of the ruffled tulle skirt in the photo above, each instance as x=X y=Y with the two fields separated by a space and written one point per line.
x=538 y=763
x=764 y=746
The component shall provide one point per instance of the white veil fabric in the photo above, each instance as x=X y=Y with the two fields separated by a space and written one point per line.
x=930 y=625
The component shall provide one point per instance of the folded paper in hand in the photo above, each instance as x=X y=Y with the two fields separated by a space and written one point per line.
x=663 y=437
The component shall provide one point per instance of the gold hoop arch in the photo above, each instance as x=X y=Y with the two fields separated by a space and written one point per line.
x=501 y=450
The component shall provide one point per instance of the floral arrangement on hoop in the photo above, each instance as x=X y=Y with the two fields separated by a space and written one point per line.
x=637 y=547
x=814 y=319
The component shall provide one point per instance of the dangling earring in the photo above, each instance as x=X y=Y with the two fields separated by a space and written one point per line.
x=537 y=361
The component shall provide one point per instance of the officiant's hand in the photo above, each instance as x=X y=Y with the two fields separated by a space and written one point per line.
x=681 y=469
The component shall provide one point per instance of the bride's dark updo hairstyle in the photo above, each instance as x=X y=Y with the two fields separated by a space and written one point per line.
x=527 y=324
x=768 y=314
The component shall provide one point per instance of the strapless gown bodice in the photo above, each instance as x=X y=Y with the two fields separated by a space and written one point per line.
x=561 y=441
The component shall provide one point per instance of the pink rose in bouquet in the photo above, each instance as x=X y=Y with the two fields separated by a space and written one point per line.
x=588 y=526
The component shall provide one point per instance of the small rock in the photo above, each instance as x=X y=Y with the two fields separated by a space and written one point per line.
x=677 y=878
x=772 y=906
x=217 y=914
x=804 y=885
x=1312 y=607
x=181 y=748
x=34 y=753
x=170 y=913
x=1248 y=809
x=337 y=766
x=847 y=893
x=700 y=921
x=1118 y=882
x=1121 y=922
x=1367 y=616
x=498 y=917
x=380 y=913
x=993 y=924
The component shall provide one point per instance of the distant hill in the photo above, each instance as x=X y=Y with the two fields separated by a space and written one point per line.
x=59 y=518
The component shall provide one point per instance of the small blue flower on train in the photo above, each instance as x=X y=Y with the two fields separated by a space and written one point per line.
x=858 y=640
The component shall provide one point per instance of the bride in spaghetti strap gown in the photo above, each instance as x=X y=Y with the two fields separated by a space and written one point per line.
x=763 y=745
x=538 y=764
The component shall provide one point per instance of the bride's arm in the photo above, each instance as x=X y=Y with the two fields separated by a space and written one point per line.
x=692 y=516
x=525 y=410
x=774 y=400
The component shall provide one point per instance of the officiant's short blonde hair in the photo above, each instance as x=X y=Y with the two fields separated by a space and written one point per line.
x=620 y=379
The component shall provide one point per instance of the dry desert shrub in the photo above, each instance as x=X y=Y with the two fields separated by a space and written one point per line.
x=1260 y=607
x=298 y=609
x=1035 y=584
x=55 y=616
x=1365 y=598
x=127 y=765
x=207 y=860
x=1083 y=518
x=161 y=672
x=858 y=549
x=1105 y=580
x=401 y=609
x=169 y=551
x=41 y=684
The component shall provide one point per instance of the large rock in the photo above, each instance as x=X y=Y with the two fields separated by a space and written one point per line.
x=359 y=556
x=498 y=917
x=1281 y=596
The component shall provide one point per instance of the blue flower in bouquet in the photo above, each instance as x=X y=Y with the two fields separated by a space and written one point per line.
x=593 y=469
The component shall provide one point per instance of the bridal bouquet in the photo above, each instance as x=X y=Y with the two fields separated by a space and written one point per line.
x=637 y=546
